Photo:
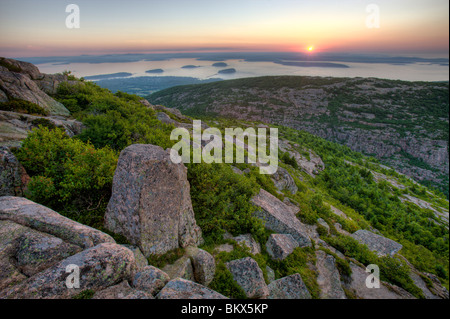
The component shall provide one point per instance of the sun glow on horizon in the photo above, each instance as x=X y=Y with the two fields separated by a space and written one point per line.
x=311 y=48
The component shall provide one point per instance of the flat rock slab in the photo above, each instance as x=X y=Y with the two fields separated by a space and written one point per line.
x=280 y=217
x=185 y=289
x=279 y=246
x=122 y=291
x=100 y=267
x=290 y=287
x=249 y=277
x=381 y=245
x=329 y=279
x=358 y=287
x=27 y=213
x=150 y=280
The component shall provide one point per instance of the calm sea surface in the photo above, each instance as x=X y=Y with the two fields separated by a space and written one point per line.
x=205 y=70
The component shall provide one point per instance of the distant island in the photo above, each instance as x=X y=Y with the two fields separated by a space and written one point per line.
x=145 y=85
x=220 y=64
x=314 y=64
x=108 y=76
x=227 y=71
x=191 y=67
x=155 y=71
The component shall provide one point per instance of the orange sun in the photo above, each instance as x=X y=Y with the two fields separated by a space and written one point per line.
x=311 y=48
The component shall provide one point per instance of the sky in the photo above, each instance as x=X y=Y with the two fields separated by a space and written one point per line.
x=31 y=28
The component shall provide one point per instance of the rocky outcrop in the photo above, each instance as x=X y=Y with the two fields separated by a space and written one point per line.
x=13 y=177
x=280 y=217
x=22 y=67
x=283 y=180
x=18 y=81
x=185 y=289
x=25 y=252
x=279 y=246
x=14 y=127
x=351 y=119
x=291 y=287
x=381 y=245
x=150 y=203
x=27 y=213
x=307 y=160
x=328 y=279
x=49 y=83
x=100 y=267
x=321 y=222
x=249 y=277
x=357 y=287
x=436 y=287
x=40 y=250
x=151 y=280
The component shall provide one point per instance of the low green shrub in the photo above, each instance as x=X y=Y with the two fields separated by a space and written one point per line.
x=68 y=175
x=22 y=106
x=44 y=122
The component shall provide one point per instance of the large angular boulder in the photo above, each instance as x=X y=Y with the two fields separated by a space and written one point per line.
x=22 y=87
x=329 y=279
x=290 y=287
x=249 y=277
x=381 y=245
x=99 y=267
x=185 y=289
x=36 y=251
x=245 y=240
x=280 y=217
x=203 y=264
x=13 y=177
x=150 y=280
x=150 y=203
x=27 y=213
x=22 y=67
x=279 y=246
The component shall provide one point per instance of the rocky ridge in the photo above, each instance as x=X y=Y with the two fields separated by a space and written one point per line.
x=37 y=244
x=389 y=120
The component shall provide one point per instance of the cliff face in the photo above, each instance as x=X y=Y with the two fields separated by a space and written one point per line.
x=404 y=124
x=22 y=82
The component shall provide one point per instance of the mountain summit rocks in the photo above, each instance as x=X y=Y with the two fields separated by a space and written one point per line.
x=150 y=203
x=280 y=218
x=23 y=81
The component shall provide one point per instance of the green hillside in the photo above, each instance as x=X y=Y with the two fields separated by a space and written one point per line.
x=403 y=124
x=74 y=177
